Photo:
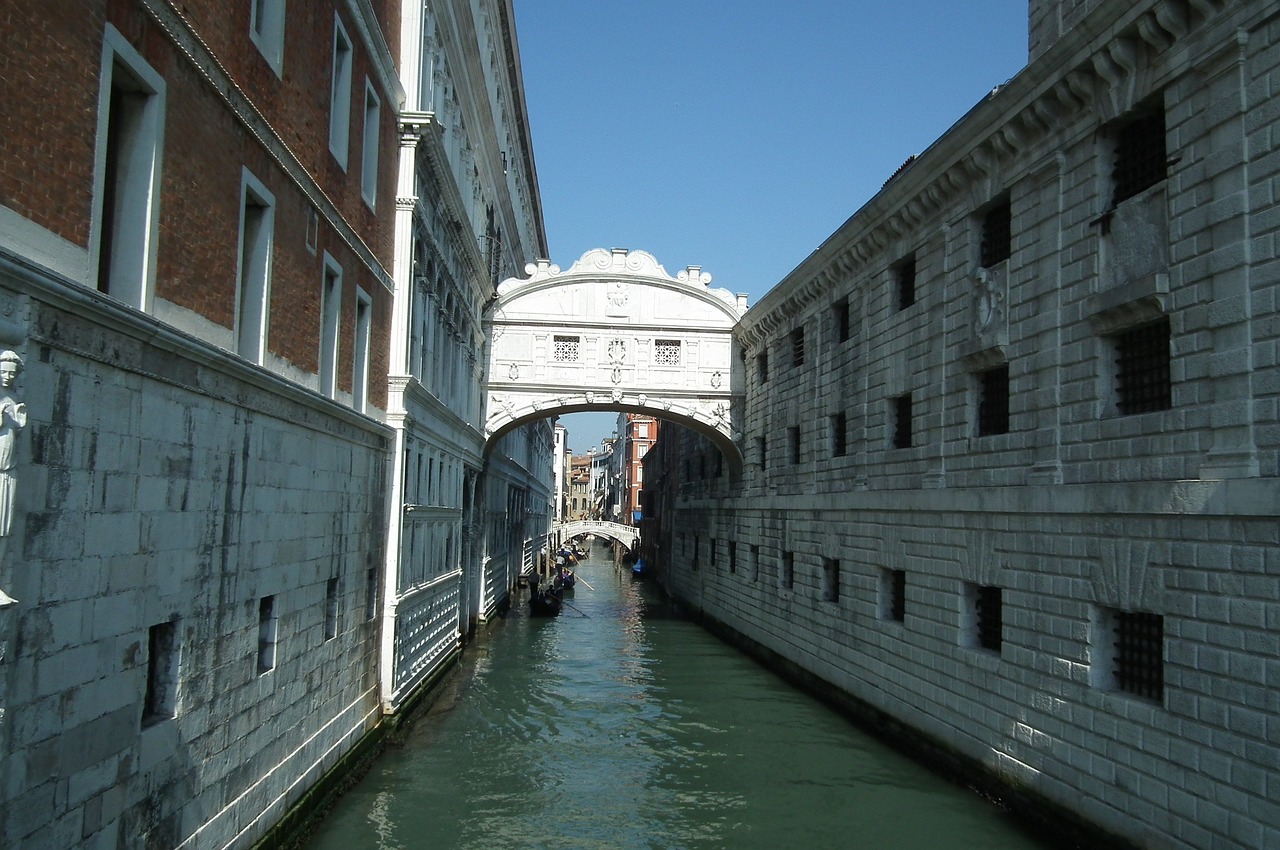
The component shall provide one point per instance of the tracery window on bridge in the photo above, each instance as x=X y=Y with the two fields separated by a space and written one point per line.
x=666 y=352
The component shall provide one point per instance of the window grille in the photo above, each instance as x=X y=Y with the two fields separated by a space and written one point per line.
x=711 y=557
x=566 y=349
x=840 y=319
x=797 y=347
x=905 y=275
x=839 y=439
x=993 y=401
x=902 y=422
x=988 y=605
x=1142 y=159
x=831 y=580
x=896 y=588
x=1142 y=369
x=666 y=352
x=793 y=435
x=786 y=577
x=997 y=236
x=1139 y=653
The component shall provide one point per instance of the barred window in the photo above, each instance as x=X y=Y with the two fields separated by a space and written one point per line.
x=831 y=580
x=1138 y=661
x=993 y=401
x=566 y=349
x=904 y=275
x=839 y=430
x=762 y=367
x=787 y=570
x=666 y=352
x=988 y=604
x=1141 y=157
x=1142 y=369
x=893 y=595
x=797 y=347
x=793 y=436
x=901 y=410
x=997 y=234
x=840 y=320
x=733 y=557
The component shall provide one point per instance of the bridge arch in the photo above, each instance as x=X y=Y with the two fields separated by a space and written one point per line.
x=625 y=534
x=615 y=333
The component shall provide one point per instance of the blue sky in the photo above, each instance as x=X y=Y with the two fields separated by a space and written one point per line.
x=739 y=135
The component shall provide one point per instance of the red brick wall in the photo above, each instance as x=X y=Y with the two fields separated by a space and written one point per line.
x=49 y=83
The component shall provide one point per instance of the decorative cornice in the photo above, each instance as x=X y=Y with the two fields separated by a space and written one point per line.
x=981 y=144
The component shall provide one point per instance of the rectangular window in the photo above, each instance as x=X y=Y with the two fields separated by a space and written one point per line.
x=755 y=563
x=997 y=233
x=797 y=347
x=893 y=595
x=733 y=557
x=340 y=95
x=369 y=146
x=840 y=320
x=993 y=401
x=901 y=416
x=762 y=367
x=266 y=29
x=161 y=700
x=1130 y=652
x=370 y=593
x=697 y=549
x=1142 y=369
x=360 y=367
x=257 y=225
x=330 y=307
x=793 y=439
x=267 y=624
x=762 y=450
x=831 y=580
x=904 y=278
x=565 y=349
x=839 y=434
x=787 y=570
x=666 y=352
x=331 y=609
x=1141 y=155
x=987 y=612
x=130 y=141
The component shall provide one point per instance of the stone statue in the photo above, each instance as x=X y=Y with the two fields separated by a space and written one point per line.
x=13 y=418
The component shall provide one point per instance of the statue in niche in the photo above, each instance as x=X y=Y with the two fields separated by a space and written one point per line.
x=13 y=418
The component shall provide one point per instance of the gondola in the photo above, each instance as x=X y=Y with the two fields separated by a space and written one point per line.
x=567 y=579
x=546 y=602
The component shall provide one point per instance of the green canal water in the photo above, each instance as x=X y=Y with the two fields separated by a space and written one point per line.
x=620 y=725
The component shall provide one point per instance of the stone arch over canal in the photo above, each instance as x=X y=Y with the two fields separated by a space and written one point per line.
x=615 y=332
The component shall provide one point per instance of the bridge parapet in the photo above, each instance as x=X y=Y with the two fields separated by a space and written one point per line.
x=625 y=534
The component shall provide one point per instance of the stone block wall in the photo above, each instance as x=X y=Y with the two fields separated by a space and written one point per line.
x=163 y=492
x=1082 y=602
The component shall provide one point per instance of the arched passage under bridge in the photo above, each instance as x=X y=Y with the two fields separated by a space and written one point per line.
x=616 y=332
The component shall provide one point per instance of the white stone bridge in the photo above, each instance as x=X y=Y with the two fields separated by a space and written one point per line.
x=615 y=333
x=625 y=534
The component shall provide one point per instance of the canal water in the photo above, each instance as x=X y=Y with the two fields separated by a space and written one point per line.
x=620 y=725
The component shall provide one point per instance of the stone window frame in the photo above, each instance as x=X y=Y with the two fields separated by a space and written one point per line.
x=266 y=30
x=904 y=273
x=995 y=244
x=124 y=240
x=343 y=60
x=268 y=634
x=797 y=346
x=991 y=400
x=667 y=352
x=1139 y=150
x=786 y=570
x=793 y=441
x=831 y=580
x=901 y=415
x=566 y=348
x=369 y=153
x=360 y=358
x=983 y=617
x=331 y=285
x=1128 y=652
x=840 y=321
x=331 y=608
x=892 y=595
x=164 y=664
x=255 y=249
x=838 y=429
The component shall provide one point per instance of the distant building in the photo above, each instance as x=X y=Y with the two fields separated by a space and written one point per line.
x=638 y=432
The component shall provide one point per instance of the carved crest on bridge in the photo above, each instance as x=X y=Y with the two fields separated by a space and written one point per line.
x=615 y=332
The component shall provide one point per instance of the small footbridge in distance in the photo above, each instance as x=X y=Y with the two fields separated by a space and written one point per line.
x=625 y=534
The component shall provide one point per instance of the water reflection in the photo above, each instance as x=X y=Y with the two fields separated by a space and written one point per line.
x=620 y=725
